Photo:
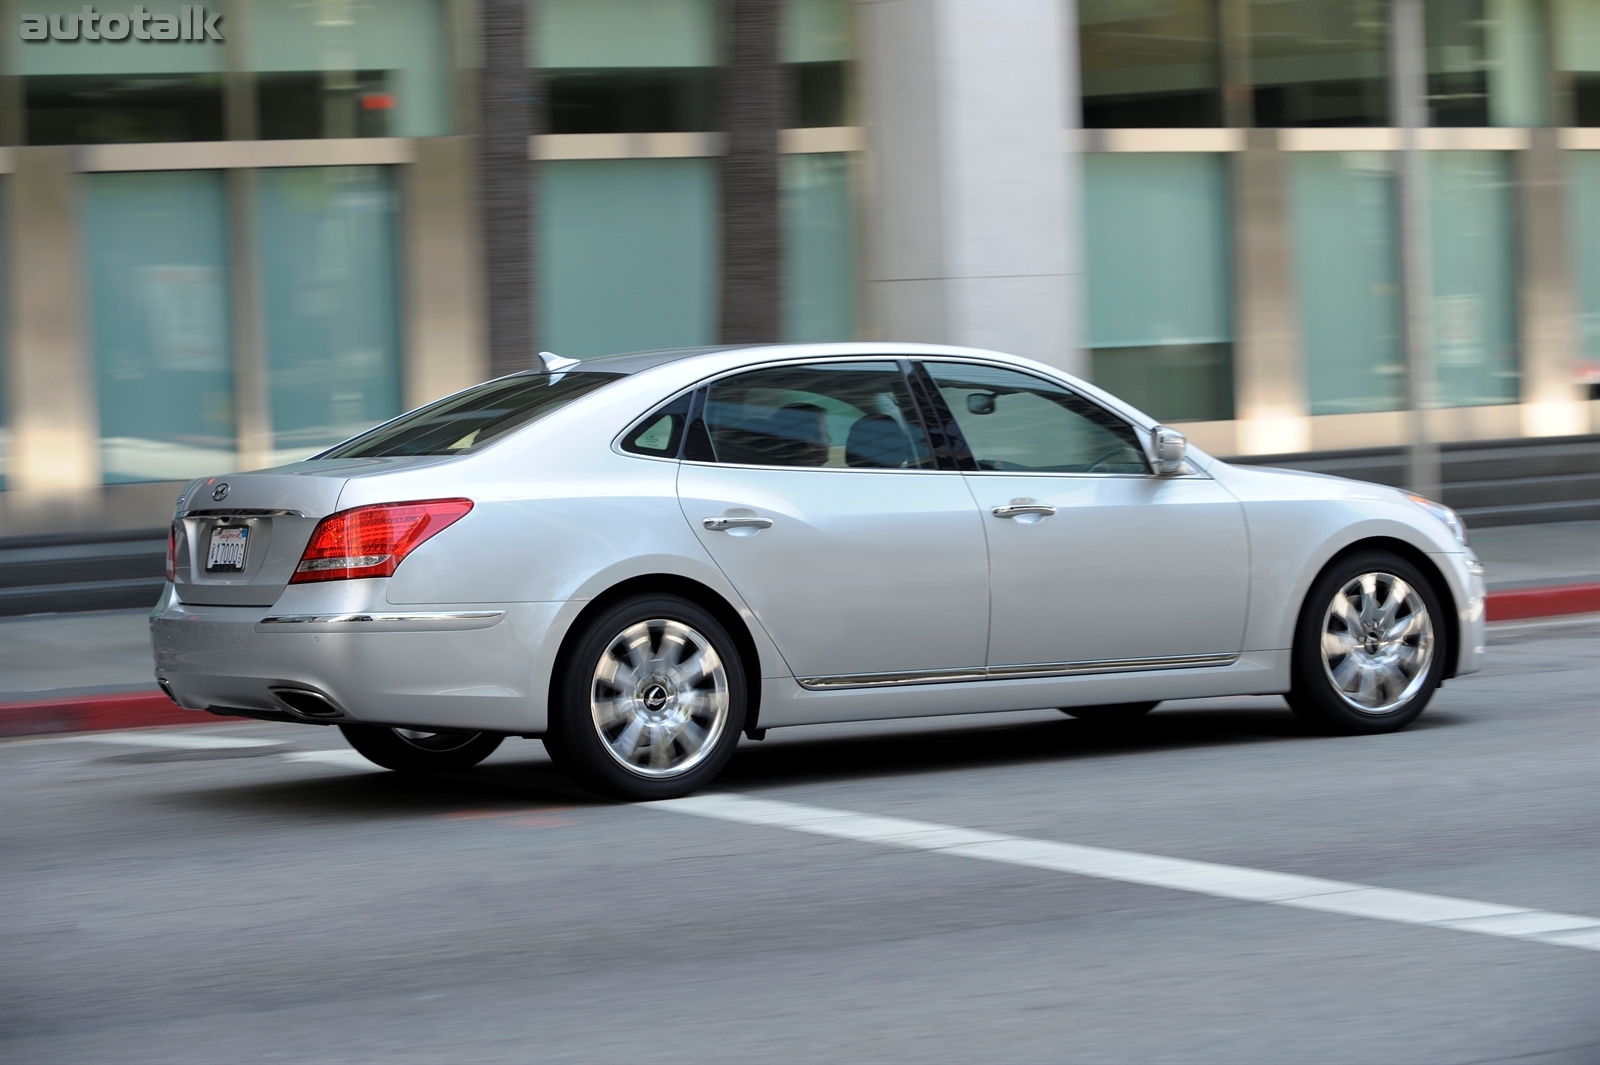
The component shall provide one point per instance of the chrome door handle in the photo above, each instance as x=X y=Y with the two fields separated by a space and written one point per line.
x=1011 y=510
x=723 y=524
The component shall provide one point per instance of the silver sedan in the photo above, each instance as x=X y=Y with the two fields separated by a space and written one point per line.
x=639 y=558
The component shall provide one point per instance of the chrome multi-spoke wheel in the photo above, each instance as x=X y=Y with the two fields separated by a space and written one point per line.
x=650 y=700
x=1370 y=646
x=659 y=700
x=1377 y=642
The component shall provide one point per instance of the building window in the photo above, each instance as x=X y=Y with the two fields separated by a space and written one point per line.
x=1320 y=62
x=1474 y=254
x=1348 y=280
x=819 y=255
x=628 y=66
x=156 y=257
x=1153 y=63
x=330 y=302
x=104 y=92
x=350 y=68
x=628 y=254
x=1160 y=291
x=817 y=49
x=1486 y=63
x=1577 y=50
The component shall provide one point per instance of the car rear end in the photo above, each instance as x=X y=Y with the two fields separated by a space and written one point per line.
x=277 y=604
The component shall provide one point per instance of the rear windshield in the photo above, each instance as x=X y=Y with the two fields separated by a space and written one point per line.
x=471 y=419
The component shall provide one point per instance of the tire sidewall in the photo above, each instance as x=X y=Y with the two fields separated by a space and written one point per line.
x=1312 y=695
x=574 y=742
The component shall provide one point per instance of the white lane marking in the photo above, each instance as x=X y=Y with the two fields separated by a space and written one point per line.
x=343 y=759
x=1177 y=874
x=182 y=741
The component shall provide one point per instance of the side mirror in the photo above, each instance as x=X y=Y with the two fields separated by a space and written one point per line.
x=980 y=402
x=1167 y=447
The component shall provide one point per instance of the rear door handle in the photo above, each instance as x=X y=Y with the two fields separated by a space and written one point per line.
x=725 y=523
x=1011 y=510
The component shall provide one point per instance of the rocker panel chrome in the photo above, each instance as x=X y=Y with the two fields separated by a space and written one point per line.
x=1025 y=672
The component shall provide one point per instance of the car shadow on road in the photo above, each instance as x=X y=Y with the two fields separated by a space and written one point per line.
x=1067 y=739
x=532 y=784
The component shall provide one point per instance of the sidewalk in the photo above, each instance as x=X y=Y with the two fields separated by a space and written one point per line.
x=70 y=672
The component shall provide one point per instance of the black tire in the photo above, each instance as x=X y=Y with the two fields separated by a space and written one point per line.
x=1317 y=698
x=1110 y=714
x=421 y=751
x=598 y=695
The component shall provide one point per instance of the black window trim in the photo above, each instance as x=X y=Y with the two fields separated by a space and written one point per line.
x=964 y=452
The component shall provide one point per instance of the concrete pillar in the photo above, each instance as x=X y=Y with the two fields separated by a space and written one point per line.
x=1552 y=404
x=1271 y=405
x=968 y=227
x=443 y=277
x=50 y=377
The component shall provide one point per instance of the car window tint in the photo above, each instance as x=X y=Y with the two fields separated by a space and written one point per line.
x=1015 y=421
x=468 y=420
x=846 y=415
x=660 y=432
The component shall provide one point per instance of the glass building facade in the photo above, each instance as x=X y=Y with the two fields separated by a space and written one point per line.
x=254 y=223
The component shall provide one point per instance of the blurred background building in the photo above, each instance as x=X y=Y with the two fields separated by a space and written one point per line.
x=220 y=255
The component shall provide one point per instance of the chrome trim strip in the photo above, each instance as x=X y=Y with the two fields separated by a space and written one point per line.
x=1024 y=672
x=415 y=621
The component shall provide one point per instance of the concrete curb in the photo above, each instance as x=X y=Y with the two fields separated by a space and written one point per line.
x=99 y=713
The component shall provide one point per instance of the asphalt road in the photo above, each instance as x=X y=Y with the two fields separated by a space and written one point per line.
x=165 y=898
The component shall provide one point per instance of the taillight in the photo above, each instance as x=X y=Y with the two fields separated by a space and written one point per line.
x=172 y=552
x=371 y=541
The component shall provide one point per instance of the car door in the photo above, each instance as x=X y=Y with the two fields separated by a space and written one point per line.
x=1094 y=561
x=814 y=488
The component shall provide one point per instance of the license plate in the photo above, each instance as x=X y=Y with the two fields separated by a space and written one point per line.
x=226 y=554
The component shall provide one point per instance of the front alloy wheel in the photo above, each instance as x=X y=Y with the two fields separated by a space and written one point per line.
x=1369 y=652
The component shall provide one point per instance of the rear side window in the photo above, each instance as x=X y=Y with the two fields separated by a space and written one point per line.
x=469 y=420
x=847 y=415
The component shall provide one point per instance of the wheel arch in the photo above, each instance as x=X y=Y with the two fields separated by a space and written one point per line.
x=1418 y=558
x=685 y=587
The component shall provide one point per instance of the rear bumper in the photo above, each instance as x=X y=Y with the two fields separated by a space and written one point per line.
x=468 y=667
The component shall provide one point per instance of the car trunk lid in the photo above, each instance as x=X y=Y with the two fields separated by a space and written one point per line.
x=240 y=536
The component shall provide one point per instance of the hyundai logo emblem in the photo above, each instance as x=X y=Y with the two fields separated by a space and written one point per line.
x=220 y=492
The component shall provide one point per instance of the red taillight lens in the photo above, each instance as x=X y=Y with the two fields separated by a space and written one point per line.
x=172 y=552
x=372 y=541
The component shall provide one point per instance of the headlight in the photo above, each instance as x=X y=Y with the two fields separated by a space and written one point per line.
x=1444 y=514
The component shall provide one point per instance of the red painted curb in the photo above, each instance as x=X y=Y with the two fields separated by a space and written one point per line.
x=97 y=713
x=1525 y=603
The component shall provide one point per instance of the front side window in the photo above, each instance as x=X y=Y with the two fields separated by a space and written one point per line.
x=846 y=415
x=1019 y=423
x=469 y=420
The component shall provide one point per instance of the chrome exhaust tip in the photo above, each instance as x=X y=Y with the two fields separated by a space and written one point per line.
x=307 y=703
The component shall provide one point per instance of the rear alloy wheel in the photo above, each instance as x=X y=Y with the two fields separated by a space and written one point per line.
x=1370 y=647
x=651 y=701
x=1111 y=714
x=421 y=751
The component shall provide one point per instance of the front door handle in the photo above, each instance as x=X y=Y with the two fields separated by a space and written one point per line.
x=1023 y=506
x=736 y=522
